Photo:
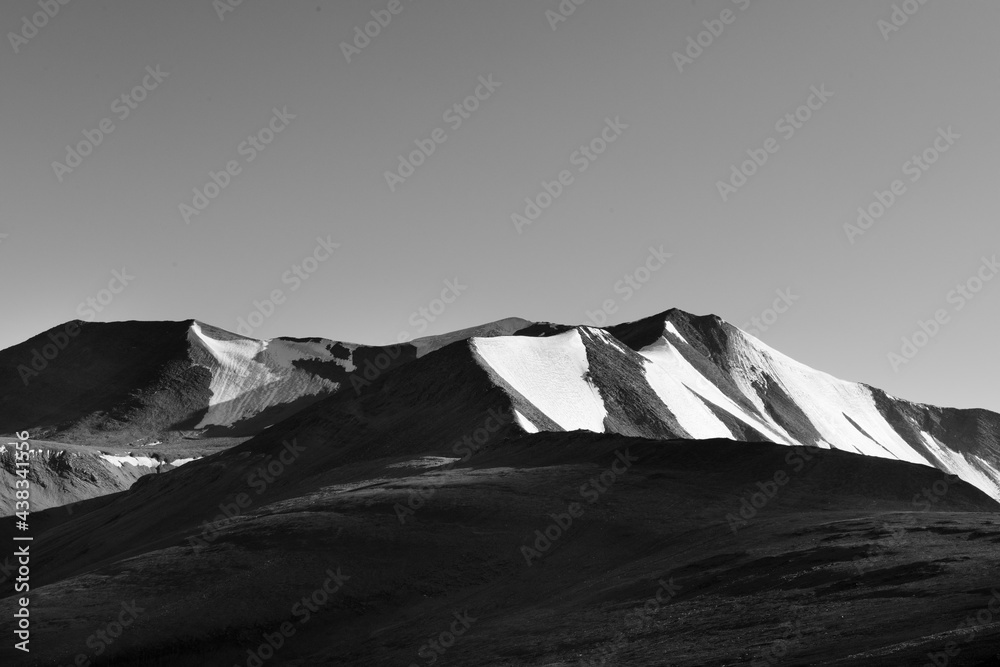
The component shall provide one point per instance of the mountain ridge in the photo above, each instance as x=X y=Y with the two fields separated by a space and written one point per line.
x=669 y=375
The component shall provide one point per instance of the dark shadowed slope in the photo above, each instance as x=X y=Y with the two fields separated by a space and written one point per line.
x=554 y=543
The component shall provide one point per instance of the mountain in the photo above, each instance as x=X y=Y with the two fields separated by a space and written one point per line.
x=125 y=381
x=734 y=385
x=670 y=376
x=133 y=382
x=108 y=403
x=670 y=490
x=116 y=401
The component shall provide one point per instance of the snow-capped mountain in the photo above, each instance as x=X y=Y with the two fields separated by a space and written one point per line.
x=525 y=465
x=249 y=376
x=669 y=376
x=136 y=382
x=675 y=375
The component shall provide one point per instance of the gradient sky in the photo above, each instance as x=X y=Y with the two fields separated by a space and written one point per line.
x=656 y=185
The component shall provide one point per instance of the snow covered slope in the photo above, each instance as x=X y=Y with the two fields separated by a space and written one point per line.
x=676 y=375
x=249 y=376
x=550 y=374
x=120 y=383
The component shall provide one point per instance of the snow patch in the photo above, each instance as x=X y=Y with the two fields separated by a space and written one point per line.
x=236 y=364
x=665 y=356
x=959 y=464
x=119 y=461
x=525 y=423
x=692 y=414
x=604 y=336
x=249 y=375
x=179 y=462
x=550 y=373
x=672 y=330
x=824 y=399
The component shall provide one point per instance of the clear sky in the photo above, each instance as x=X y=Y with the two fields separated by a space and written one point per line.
x=675 y=116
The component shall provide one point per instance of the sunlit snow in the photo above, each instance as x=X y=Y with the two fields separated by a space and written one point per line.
x=549 y=372
x=250 y=375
